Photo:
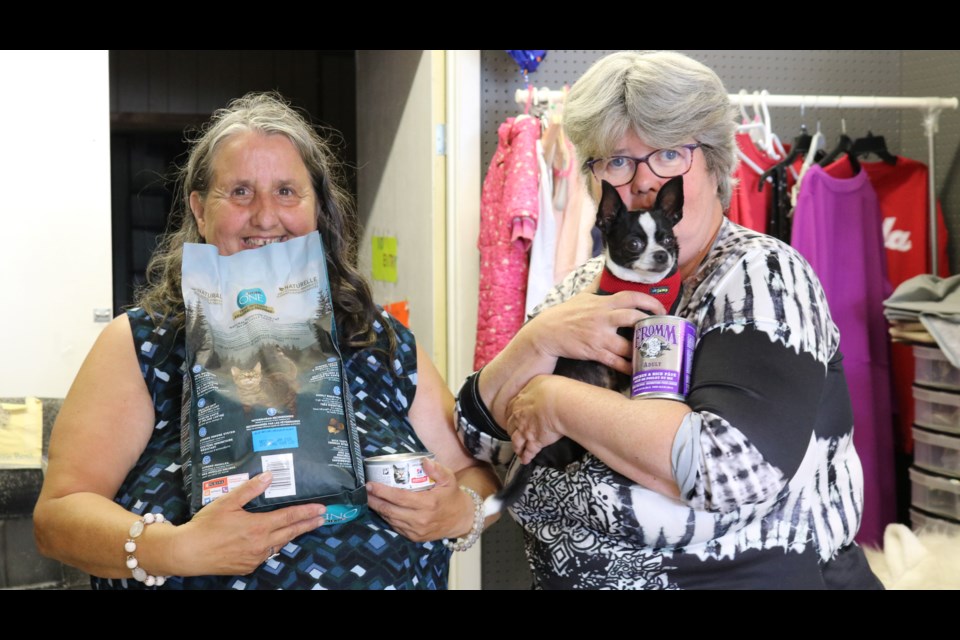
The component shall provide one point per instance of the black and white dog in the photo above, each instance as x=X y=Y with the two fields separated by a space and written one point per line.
x=641 y=254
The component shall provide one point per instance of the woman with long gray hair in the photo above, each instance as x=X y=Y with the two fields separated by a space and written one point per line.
x=257 y=174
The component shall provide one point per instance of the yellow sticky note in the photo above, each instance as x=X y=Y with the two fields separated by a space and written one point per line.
x=385 y=258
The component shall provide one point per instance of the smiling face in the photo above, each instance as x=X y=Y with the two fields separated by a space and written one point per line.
x=260 y=192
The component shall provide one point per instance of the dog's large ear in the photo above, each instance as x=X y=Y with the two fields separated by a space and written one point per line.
x=610 y=206
x=670 y=200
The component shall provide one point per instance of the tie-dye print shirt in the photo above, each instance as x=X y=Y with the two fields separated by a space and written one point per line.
x=776 y=496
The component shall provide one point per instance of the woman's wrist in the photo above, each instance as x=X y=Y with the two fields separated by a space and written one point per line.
x=166 y=552
x=465 y=522
x=537 y=341
x=525 y=357
x=151 y=537
x=474 y=529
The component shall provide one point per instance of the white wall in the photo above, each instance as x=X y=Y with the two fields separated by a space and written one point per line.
x=400 y=183
x=54 y=214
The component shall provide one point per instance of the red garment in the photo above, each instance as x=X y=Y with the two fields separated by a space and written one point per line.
x=904 y=204
x=749 y=206
x=509 y=206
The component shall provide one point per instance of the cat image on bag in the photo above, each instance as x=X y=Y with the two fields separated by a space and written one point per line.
x=275 y=385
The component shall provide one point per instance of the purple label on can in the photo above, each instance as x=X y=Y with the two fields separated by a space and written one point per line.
x=662 y=357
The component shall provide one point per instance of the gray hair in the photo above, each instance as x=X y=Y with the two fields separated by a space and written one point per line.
x=270 y=114
x=665 y=97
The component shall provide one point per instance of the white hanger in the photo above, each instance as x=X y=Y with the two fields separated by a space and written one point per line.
x=753 y=126
x=744 y=118
x=745 y=159
x=817 y=141
x=768 y=125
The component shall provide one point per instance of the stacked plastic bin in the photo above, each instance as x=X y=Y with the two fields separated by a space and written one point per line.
x=935 y=475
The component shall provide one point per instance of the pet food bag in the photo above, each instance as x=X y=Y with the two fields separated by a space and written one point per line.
x=265 y=388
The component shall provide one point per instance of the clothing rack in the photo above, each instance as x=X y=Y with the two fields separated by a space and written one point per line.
x=929 y=107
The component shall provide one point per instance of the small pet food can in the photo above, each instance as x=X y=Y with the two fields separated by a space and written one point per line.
x=400 y=470
x=662 y=357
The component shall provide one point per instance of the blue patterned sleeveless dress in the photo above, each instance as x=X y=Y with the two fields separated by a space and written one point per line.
x=363 y=554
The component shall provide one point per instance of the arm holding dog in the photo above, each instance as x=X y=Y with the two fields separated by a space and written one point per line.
x=749 y=416
x=584 y=328
x=633 y=437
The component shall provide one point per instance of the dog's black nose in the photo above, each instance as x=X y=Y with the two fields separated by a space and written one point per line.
x=660 y=257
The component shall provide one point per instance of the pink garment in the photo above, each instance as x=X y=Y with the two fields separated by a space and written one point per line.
x=509 y=206
x=577 y=210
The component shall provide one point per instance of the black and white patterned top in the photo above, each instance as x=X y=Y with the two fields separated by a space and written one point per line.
x=777 y=489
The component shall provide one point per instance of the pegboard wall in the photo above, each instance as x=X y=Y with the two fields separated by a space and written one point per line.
x=872 y=73
x=935 y=73
x=793 y=72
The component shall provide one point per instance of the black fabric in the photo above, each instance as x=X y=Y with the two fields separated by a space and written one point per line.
x=756 y=570
x=849 y=570
x=777 y=401
x=473 y=408
x=779 y=222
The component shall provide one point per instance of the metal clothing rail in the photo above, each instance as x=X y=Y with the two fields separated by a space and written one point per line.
x=843 y=102
x=930 y=107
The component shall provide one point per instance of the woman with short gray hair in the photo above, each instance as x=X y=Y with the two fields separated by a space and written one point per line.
x=751 y=480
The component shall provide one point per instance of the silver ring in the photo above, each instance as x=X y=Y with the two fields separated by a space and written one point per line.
x=272 y=553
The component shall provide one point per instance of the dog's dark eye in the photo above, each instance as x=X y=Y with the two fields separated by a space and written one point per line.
x=634 y=246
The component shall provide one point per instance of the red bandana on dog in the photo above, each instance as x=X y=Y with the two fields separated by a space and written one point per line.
x=667 y=291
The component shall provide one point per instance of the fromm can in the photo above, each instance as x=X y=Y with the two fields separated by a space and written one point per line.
x=400 y=470
x=662 y=357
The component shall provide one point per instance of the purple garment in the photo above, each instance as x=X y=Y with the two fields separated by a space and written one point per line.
x=837 y=228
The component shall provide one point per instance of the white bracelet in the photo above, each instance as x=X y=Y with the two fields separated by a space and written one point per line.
x=130 y=546
x=464 y=543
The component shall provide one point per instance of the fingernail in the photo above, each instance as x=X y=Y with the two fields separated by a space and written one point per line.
x=266 y=477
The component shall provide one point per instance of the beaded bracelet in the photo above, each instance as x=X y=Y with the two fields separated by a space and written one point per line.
x=464 y=543
x=130 y=546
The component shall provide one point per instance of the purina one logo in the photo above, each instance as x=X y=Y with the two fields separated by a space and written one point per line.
x=251 y=296
x=250 y=299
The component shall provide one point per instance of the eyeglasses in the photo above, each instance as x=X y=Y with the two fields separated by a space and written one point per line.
x=664 y=163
